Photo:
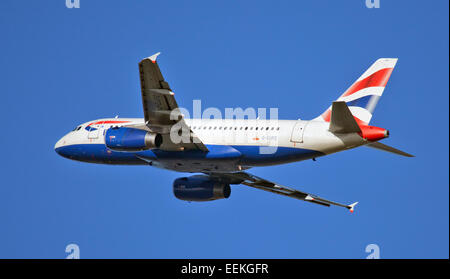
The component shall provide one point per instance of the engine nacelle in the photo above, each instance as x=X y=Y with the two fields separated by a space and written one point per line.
x=200 y=188
x=131 y=139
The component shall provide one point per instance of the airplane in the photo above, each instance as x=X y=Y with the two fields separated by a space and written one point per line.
x=220 y=150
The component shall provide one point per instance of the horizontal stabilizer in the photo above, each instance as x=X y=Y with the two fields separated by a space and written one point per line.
x=342 y=120
x=387 y=148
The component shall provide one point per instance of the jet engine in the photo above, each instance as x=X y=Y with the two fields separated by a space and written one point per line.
x=131 y=139
x=200 y=188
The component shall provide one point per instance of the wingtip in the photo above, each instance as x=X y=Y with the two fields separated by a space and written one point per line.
x=351 y=207
x=153 y=57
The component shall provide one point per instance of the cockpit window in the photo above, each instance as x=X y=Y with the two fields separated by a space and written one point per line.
x=77 y=128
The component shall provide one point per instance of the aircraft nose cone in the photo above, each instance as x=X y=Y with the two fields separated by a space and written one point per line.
x=59 y=146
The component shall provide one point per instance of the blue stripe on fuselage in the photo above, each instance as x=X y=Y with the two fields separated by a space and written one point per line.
x=98 y=153
x=247 y=155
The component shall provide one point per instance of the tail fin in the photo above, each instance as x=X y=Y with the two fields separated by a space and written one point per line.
x=363 y=95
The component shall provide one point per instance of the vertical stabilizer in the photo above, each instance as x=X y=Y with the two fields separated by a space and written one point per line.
x=362 y=97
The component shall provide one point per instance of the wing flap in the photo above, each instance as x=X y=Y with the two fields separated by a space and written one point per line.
x=156 y=92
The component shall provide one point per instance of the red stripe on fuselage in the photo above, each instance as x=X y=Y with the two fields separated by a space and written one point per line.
x=108 y=122
x=379 y=78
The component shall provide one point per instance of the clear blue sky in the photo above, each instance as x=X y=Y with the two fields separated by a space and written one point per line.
x=62 y=67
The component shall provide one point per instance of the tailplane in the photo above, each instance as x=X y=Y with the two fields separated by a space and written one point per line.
x=343 y=122
x=362 y=97
x=387 y=148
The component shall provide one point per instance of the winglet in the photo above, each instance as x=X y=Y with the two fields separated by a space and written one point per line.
x=153 y=57
x=352 y=206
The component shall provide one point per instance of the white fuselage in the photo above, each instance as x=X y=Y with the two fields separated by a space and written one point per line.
x=234 y=144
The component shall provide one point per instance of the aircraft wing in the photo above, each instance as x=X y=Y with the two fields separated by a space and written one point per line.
x=161 y=111
x=266 y=185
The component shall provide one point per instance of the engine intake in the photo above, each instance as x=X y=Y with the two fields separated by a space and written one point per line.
x=200 y=188
x=131 y=139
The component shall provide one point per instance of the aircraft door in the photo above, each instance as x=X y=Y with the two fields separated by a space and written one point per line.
x=298 y=131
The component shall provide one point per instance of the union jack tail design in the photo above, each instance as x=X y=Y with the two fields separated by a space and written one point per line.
x=362 y=97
